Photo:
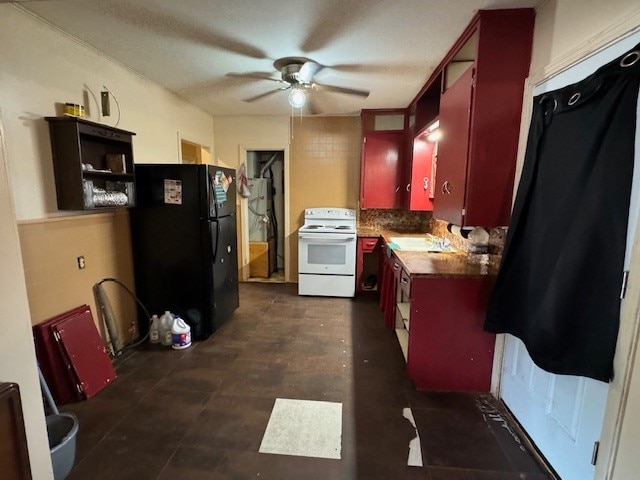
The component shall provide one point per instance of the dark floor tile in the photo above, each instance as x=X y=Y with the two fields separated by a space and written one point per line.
x=229 y=422
x=370 y=436
x=440 y=473
x=510 y=441
x=219 y=346
x=96 y=418
x=382 y=470
x=124 y=459
x=443 y=400
x=321 y=386
x=201 y=413
x=165 y=415
x=253 y=380
x=193 y=378
x=195 y=462
x=459 y=439
x=244 y=465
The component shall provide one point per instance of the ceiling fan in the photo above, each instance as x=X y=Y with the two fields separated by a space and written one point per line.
x=296 y=75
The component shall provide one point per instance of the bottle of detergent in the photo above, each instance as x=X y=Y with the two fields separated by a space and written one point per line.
x=180 y=334
x=166 y=322
x=154 y=329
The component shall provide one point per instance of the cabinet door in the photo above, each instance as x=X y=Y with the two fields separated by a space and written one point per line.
x=453 y=150
x=382 y=170
x=421 y=180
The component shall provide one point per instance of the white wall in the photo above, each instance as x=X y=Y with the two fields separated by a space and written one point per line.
x=17 y=342
x=40 y=67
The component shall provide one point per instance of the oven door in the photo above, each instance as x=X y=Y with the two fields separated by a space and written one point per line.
x=328 y=253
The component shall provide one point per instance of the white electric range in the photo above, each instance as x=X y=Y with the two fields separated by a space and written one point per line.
x=327 y=252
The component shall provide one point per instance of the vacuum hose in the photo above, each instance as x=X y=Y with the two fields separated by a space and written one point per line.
x=106 y=312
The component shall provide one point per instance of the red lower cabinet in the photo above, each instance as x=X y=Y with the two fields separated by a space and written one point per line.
x=448 y=349
x=366 y=250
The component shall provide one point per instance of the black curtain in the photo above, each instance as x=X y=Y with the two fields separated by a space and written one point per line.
x=558 y=288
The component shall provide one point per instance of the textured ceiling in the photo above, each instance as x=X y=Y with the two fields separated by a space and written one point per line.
x=386 y=46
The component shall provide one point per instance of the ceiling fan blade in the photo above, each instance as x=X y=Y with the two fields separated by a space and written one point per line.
x=308 y=70
x=333 y=88
x=335 y=19
x=256 y=75
x=264 y=95
x=176 y=27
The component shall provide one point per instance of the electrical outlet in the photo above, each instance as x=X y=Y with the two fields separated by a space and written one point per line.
x=81 y=263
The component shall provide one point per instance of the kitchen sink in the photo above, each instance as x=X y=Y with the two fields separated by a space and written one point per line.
x=427 y=243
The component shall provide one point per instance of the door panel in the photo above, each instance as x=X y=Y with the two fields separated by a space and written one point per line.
x=225 y=269
x=566 y=426
x=382 y=170
x=222 y=183
x=562 y=414
x=453 y=149
x=421 y=180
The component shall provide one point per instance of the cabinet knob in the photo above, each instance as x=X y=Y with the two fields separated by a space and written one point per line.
x=396 y=266
x=408 y=187
x=446 y=187
x=426 y=183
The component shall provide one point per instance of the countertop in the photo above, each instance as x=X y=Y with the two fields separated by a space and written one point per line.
x=446 y=265
x=438 y=265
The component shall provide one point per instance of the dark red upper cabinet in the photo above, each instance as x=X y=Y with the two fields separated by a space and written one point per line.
x=422 y=186
x=383 y=166
x=453 y=149
x=482 y=92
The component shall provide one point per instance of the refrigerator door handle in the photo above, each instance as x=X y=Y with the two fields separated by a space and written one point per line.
x=213 y=199
x=215 y=243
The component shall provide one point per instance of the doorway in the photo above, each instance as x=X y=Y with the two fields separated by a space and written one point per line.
x=266 y=215
x=194 y=153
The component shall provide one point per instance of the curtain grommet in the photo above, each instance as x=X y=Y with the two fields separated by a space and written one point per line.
x=574 y=98
x=630 y=58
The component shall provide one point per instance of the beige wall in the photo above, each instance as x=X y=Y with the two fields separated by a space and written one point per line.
x=566 y=31
x=322 y=155
x=42 y=67
x=234 y=137
x=17 y=355
x=50 y=248
x=325 y=169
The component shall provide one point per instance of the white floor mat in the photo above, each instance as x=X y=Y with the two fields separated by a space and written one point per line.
x=304 y=428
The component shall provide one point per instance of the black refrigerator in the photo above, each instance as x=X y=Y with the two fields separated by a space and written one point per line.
x=185 y=245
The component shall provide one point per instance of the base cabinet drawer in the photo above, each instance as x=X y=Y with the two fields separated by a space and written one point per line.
x=405 y=282
x=367 y=271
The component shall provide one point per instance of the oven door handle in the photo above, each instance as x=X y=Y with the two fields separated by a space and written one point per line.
x=332 y=239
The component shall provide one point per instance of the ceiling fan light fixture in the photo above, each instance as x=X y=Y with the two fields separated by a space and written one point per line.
x=297 y=98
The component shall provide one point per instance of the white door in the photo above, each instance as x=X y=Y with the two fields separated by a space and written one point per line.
x=563 y=414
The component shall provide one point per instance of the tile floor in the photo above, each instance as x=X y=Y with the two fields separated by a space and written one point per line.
x=201 y=413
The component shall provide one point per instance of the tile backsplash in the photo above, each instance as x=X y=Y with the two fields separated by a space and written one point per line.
x=423 y=222
x=496 y=238
x=398 y=220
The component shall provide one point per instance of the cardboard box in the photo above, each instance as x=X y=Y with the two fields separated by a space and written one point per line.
x=259 y=259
